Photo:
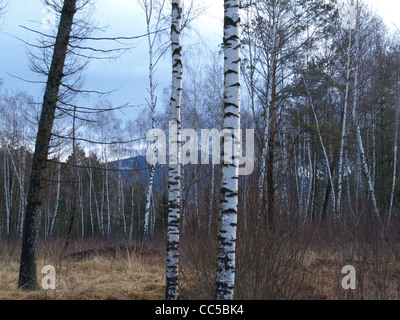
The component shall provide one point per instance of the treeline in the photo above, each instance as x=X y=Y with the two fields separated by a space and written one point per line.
x=88 y=188
x=323 y=101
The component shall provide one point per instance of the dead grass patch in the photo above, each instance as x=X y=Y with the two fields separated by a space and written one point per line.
x=121 y=275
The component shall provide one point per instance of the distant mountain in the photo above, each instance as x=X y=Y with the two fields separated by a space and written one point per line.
x=137 y=168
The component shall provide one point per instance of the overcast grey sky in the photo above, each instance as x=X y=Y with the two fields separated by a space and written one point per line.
x=129 y=73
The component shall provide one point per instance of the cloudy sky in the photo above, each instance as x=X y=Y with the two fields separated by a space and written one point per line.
x=129 y=73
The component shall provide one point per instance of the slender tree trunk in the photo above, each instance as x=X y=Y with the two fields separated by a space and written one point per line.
x=310 y=181
x=269 y=127
x=358 y=182
x=344 y=120
x=270 y=169
x=373 y=166
x=28 y=263
x=92 y=189
x=328 y=192
x=226 y=263
x=54 y=216
x=211 y=198
x=80 y=193
x=132 y=212
x=146 y=227
x=328 y=166
x=361 y=148
x=7 y=195
x=395 y=148
x=20 y=179
x=23 y=195
x=174 y=167
x=101 y=218
x=75 y=182
x=148 y=7
x=108 y=202
x=121 y=202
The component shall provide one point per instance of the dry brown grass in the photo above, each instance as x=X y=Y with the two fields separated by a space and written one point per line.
x=99 y=272
x=121 y=275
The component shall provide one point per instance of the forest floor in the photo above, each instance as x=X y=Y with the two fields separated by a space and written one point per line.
x=97 y=272
x=100 y=271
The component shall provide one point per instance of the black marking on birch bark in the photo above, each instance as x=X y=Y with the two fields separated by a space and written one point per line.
x=176 y=7
x=223 y=242
x=230 y=71
x=230 y=22
x=231 y=114
x=172 y=279
x=177 y=51
x=230 y=104
x=176 y=64
x=232 y=39
x=174 y=29
x=223 y=288
x=237 y=84
x=231 y=194
x=175 y=222
x=172 y=246
x=229 y=211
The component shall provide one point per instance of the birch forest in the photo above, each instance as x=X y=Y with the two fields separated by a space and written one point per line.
x=307 y=91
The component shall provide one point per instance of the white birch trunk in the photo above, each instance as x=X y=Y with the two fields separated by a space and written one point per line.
x=358 y=182
x=340 y=168
x=149 y=196
x=333 y=197
x=174 y=167
x=80 y=195
x=132 y=212
x=310 y=182
x=130 y=237
x=20 y=178
x=54 y=216
x=91 y=189
x=108 y=202
x=395 y=148
x=226 y=264
x=148 y=8
x=210 y=218
x=121 y=202
x=23 y=195
x=101 y=220
x=7 y=195
x=361 y=149
x=373 y=166
x=267 y=111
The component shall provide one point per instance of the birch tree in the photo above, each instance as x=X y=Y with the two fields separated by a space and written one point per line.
x=344 y=119
x=395 y=148
x=226 y=265
x=280 y=30
x=356 y=123
x=154 y=26
x=174 y=167
x=325 y=153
